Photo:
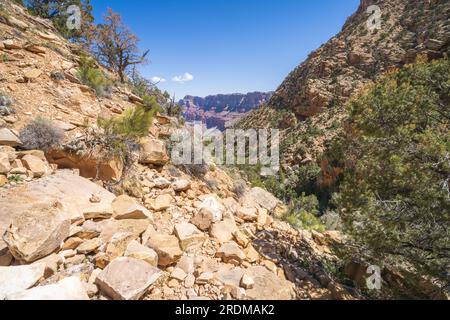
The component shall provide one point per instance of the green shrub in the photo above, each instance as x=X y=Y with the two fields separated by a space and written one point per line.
x=133 y=123
x=302 y=214
x=394 y=197
x=89 y=75
x=41 y=134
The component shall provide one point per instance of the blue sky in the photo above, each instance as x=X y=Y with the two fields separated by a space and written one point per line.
x=227 y=46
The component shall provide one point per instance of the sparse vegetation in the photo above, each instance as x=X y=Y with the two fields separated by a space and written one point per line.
x=93 y=77
x=41 y=134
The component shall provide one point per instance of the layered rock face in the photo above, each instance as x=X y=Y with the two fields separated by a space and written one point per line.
x=319 y=87
x=222 y=110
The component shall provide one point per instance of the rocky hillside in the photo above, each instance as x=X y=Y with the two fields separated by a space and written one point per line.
x=68 y=231
x=222 y=110
x=308 y=106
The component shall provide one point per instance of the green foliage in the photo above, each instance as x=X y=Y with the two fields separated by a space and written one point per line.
x=133 y=123
x=303 y=212
x=89 y=75
x=395 y=198
x=56 y=11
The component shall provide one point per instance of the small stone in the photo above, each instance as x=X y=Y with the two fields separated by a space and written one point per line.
x=72 y=243
x=247 y=282
x=35 y=165
x=231 y=253
x=178 y=274
x=89 y=246
x=126 y=207
x=137 y=251
x=186 y=263
x=204 y=278
x=189 y=282
x=161 y=203
x=181 y=185
x=161 y=183
x=167 y=248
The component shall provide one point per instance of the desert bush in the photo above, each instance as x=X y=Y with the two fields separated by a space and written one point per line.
x=41 y=134
x=197 y=170
x=134 y=123
x=239 y=188
x=89 y=75
x=303 y=213
x=394 y=196
x=5 y=106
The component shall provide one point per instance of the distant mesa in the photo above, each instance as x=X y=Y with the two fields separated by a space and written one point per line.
x=222 y=110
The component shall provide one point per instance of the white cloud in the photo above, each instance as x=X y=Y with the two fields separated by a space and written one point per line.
x=158 y=80
x=183 y=78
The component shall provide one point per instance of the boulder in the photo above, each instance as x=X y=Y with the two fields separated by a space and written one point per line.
x=203 y=219
x=35 y=165
x=161 y=183
x=89 y=246
x=127 y=278
x=230 y=253
x=71 y=190
x=222 y=231
x=261 y=197
x=178 y=274
x=153 y=152
x=167 y=248
x=89 y=167
x=7 y=138
x=31 y=74
x=248 y=214
x=115 y=248
x=214 y=206
x=52 y=262
x=5 y=167
x=268 y=286
x=37 y=232
x=138 y=251
x=125 y=207
x=162 y=202
x=19 y=278
x=66 y=289
x=189 y=235
x=181 y=185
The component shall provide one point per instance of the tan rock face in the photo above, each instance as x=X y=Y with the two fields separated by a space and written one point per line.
x=35 y=165
x=231 y=253
x=126 y=207
x=167 y=247
x=181 y=185
x=72 y=191
x=161 y=203
x=5 y=167
x=261 y=197
x=137 y=251
x=203 y=219
x=267 y=286
x=66 y=289
x=7 y=138
x=127 y=278
x=19 y=278
x=3 y=180
x=37 y=232
x=189 y=235
x=153 y=152
x=107 y=170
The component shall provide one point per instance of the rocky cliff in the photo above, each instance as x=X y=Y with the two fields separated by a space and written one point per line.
x=222 y=110
x=310 y=102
